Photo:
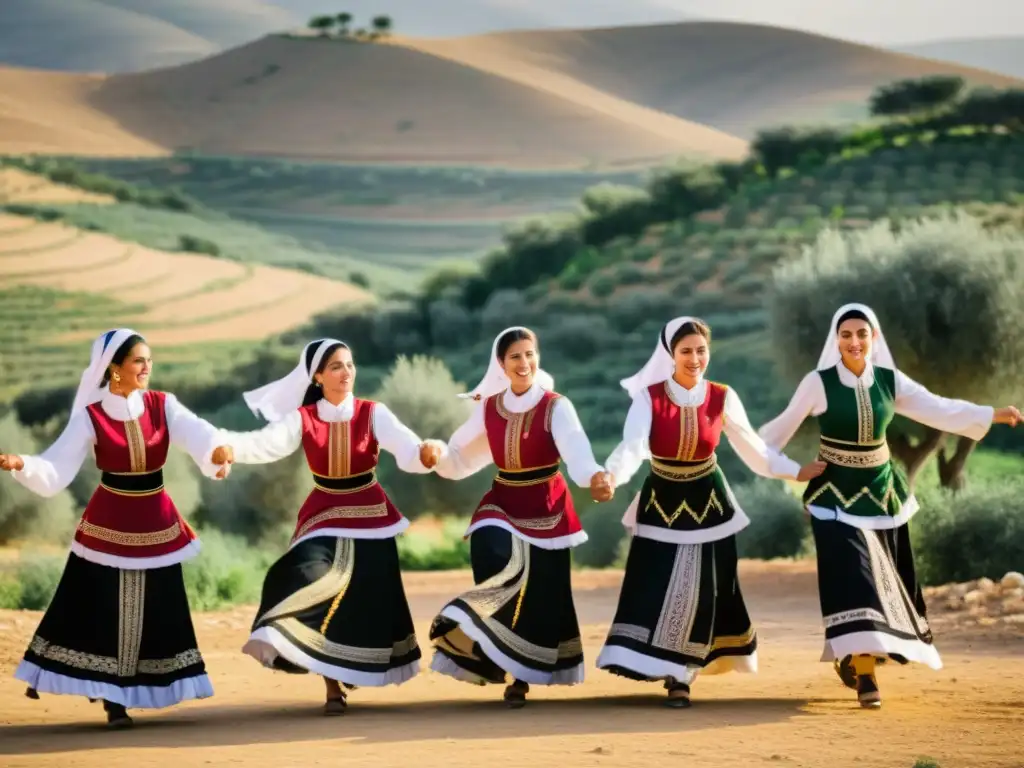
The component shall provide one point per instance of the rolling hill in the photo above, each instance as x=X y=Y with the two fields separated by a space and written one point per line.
x=997 y=54
x=583 y=98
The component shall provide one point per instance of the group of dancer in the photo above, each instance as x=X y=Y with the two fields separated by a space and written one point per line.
x=118 y=629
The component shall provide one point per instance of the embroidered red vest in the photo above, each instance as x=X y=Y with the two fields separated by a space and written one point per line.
x=686 y=433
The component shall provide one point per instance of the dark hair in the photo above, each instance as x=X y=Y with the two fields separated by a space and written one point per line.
x=511 y=337
x=689 y=328
x=122 y=352
x=854 y=314
x=313 y=392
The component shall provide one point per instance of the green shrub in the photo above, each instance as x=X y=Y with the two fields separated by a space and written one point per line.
x=602 y=285
x=603 y=524
x=38 y=576
x=10 y=592
x=778 y=526
x=976 y=532
x=629 y=274
x=227 y=571
x=193 y=244
x=423 y=553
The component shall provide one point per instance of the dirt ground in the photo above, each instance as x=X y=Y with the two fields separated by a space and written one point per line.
x=792 y=713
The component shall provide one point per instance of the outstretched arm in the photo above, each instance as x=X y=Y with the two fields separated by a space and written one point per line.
x=468 y=451
x=957 y=416
x=274 y=442
x=573 y=444
x=634 y=449
x=808 y=400
x=400 y=441
x=193 y=434
x=750 y=447
x=52 y=471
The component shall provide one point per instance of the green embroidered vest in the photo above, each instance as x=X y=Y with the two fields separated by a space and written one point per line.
x=860 y=478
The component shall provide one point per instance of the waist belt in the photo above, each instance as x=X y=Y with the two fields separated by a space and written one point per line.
x=132 y=483
x=532 y=476
x=348 y=484
x=853 y=456
x=683 y=471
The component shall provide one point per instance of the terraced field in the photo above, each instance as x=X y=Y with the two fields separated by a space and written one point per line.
x=60 y=286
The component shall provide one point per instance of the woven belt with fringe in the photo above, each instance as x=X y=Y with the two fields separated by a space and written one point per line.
x=854 y=457
x=531 y=476
x=133 y=483
x=683 y=471
x=349 y=484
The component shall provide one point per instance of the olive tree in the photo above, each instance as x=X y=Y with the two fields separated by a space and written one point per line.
x=421 y=392
x=948 y=295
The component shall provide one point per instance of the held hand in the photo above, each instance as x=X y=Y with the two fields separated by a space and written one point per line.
x=810 y=471
x=429 y=455
x=11 y=463
x=1009 y=415
x=223 y=456
x=602 y=486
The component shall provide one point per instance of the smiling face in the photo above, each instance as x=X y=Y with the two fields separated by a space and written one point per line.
x=337 y=377
x=520 y=364
x=133 y=372
x=855 y=338
x=691 y=356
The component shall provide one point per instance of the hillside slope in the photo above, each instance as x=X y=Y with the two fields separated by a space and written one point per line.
x=997 y=54
x=734 y=77
x=128 y=35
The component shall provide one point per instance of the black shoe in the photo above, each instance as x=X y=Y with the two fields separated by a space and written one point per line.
x=515 y=694
x=32 y=693
x=846 y=672
x=336 y=705
x=117 y=715
x=867 y=692
x=678 y=695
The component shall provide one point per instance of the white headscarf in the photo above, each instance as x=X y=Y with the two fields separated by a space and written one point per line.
x=90 y=386
x=279 y=398
x=661 y=366
x=495 y=380
x=880 y=353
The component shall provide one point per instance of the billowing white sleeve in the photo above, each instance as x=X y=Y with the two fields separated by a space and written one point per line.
x=398 y=440
x=957 y=416
x=808 y=400
x=573 y=444
x=750 y=447
x=194 y=435
x=52 y=471
x=468 y=450
x=275 y=441
x=634 y=449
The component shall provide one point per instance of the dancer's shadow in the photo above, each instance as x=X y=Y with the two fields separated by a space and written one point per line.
x=214 y=726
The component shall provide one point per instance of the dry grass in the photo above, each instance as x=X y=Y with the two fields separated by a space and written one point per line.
x=18 y=186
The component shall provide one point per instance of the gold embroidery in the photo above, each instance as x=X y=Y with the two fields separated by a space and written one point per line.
x=334 y=582
x=531 y=524
x=314 y=640
x=372 y=475
x=683 y=474
x=854 y=459
x=130 y=539
x=688 y=432
x=865 y=414
x=341 y=593
x=132 y=494
x=487 y=597
x=679 y=606
x=837 y=441
x=339 y=449
x=550 y=415
x=883 y=503
x=525 y=483
x=519 y=605
x=136 y=446
x=343 y=513
x=129 y=621
x=733 y=641
x=713 y=503
x=630 y=631
x=108 y=665
x=517 y=427
x=567 y=649
x=405 y=647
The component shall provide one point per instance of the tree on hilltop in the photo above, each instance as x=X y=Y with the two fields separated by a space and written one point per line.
x=323 y=24
x=382 y=25
x=905 y=97
x=947 y=292
x=344 y=19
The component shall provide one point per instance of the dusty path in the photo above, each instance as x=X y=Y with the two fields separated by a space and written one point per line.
x=793 y=713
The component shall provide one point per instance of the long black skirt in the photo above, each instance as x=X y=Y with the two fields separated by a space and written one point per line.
x=871 y=602
x=518 y=620
x=336 y=607
x=680 y=612
x=121 y=635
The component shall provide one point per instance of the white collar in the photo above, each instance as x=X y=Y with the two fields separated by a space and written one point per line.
x=123 y=408
x=687 y=397
x=327 y=411
x=850 y=379
x=524 y=402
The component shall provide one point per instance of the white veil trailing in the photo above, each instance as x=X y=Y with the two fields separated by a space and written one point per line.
x=495 y=380
x=277 y=399
x=90 y=386
x=880 y=353
x=661 y=364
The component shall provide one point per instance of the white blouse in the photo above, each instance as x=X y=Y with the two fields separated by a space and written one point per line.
x=468 y=450
x=912 y=400
x=630 y=454
x=282 y=438
x=53 y=470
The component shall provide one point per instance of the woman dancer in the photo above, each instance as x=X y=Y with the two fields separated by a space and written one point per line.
x=118 y=627
x=872 y=605
x=334 y=604
x=681 y=609
x=519 y=619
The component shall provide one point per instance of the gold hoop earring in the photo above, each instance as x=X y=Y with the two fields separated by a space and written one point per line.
x=115 y=376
